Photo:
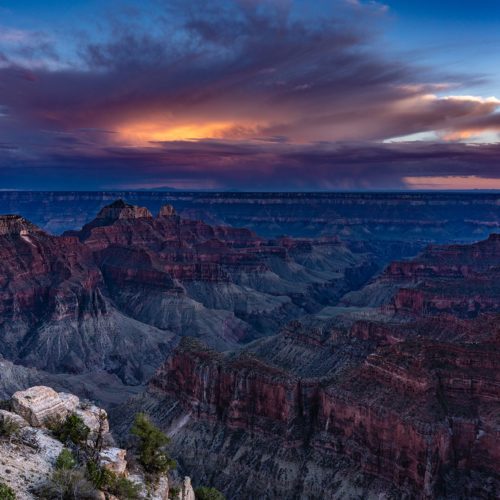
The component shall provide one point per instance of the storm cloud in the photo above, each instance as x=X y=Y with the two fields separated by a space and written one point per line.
x=242 y=94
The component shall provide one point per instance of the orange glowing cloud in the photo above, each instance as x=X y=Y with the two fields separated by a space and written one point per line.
x=464 y=182
x=143 y=132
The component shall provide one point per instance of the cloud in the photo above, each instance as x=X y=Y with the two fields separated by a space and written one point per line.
x=27 y=49
x=235 y=93
x=254 y=165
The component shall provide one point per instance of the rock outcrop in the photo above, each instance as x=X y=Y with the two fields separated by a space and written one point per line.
x=39 y=405
x=167 y=211
x=187 y=492
x=29 y=452
x=121 y=210
x=114 y=459
x=15 y=225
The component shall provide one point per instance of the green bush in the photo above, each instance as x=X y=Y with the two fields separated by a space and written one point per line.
x=65 y=460
x=6 y=493
x=206 y=493
x=8 y=428
x=151 y=443
x=72 y=429
x=173 y=492
x=99 y=476
x=106 y=480
x=124 y=489
x=68 y=485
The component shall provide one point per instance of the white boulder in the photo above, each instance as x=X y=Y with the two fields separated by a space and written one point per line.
x=39 y=405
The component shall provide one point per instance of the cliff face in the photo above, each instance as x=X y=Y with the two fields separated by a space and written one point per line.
x=457 y=279
x=115 y=294
x=404 y=402
x=55 y=313
x=408 y=415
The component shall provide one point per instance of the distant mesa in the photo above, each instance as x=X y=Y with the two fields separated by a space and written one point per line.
x=121 y=210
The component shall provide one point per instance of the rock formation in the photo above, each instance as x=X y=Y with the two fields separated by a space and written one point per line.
x=116 y=295
x=29 y=453
x=40 y=405
x=404 y=401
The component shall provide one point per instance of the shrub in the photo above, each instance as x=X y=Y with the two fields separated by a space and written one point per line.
x=173 y=492
x=6 y=493
x=206 y=493
x=106 y=480
x=151 y=443
x=125 y=489
x=68 y=485
x=73 y=429
x=99 y=476
x=65 y=460
x=8 y=427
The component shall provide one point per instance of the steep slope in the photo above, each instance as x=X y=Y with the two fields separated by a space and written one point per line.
x=222 y=283
x=116 y=295
x=405 y=402
x=457 y=279
x=54 y=314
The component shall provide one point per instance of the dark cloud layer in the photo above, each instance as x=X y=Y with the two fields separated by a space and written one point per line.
x=241 y=94
x=221 y=165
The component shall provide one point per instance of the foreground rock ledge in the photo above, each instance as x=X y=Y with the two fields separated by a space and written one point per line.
x=28 y=461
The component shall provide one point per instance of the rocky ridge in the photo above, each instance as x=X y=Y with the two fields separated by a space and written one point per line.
x=117 y=294
x=403 y=402
x=396 y=217
x=28 y=458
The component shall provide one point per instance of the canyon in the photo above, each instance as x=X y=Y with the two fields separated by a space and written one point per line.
x=350 y=349
x=400 y=400
x=423 y=217
x=115 y=295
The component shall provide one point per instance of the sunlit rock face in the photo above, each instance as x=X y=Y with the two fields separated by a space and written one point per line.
x=39 y=405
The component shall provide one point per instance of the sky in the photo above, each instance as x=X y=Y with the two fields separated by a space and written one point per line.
x=264 y=95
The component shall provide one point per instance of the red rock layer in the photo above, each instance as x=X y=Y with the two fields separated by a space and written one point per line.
x=44 y=275
x=413 y=409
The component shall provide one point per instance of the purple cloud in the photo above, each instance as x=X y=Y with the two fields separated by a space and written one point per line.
x=235 y=94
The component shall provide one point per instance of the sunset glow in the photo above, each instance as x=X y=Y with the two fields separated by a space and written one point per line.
x=142 y=133
x=465 y=182
x=287 y=95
